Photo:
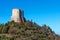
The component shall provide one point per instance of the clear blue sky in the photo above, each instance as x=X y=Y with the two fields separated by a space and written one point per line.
x=40 y=11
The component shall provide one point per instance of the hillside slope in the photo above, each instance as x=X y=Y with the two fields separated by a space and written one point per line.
x=26 y=31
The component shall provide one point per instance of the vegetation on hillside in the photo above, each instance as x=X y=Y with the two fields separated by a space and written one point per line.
x=26 y=31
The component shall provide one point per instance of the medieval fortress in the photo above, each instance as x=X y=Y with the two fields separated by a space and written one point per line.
x=17 y=15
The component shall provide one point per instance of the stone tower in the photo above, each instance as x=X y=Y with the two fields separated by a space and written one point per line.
x=17 y=15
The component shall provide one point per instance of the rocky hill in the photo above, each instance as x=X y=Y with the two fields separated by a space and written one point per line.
x=26 y=31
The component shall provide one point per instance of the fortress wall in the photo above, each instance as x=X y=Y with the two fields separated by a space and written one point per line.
x=17 y=15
